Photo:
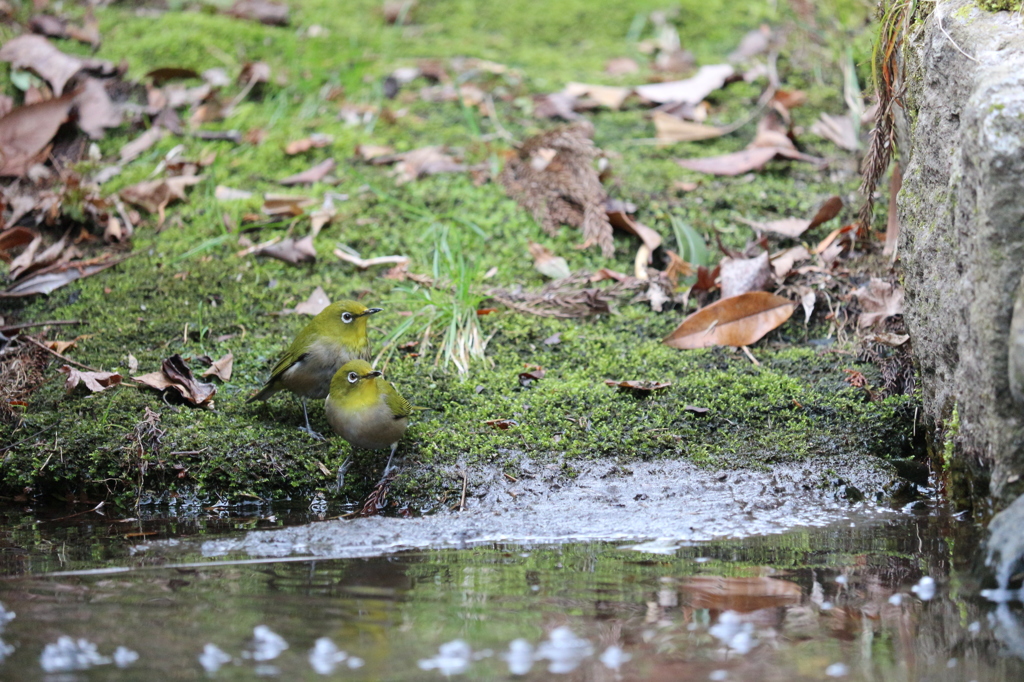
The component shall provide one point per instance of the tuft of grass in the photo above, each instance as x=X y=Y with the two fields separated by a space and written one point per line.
x=447 y=306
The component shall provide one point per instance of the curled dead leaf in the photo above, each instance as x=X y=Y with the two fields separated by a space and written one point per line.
x=501 y=424
x=176 y=375
x=93 y=381
x=290 y=250
x=221 y=368
x=311 y=176
x=878 y=300
x=638 y=387
x=26 y=132
x=737 y=321
x=740 y=275
x=547 y=263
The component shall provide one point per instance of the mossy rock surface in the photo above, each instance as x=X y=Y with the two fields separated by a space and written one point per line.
x=184 y=290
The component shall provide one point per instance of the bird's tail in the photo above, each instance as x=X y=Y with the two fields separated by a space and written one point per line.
x=270 y=389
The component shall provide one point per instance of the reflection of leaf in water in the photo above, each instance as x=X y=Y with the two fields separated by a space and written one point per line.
x=739 y=594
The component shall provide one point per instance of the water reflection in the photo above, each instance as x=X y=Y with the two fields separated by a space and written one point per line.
x=892 y=601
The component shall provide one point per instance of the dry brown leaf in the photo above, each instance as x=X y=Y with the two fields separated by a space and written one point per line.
x=142 y=143
x=61 y=346
x=737 y=321
x=94 y=381
x=742 y=594
x=26 y=132
x=263 y=11
x=222 y=193
x=501 y=424
x=57 y=275
x=783 y=262
x=176 y=375
x=96 y=111
x=736 y=163
x=606 y=95
x=315 y=141
x=708 y=79
x=290 y=250
x=677 y=268
x=254 y=72
x=547 y=263
x=621 y=220
x=620 y=66
x=555 y=105
x=14 y=237
x=740 y=275
x=878 y=301
x=155 y=195
x=839 y=130
x=286 y=204
x=53 y=66
x=753 y=43
x=311 y=176
x=889 y=339
x=365 y=263
x=791 y=99
x=833 y=236
x=424 y=161
x=313 y=305
x=221 y=368
x=638 y=387
x=828 y=210
x=371 y=152
x=669 y=128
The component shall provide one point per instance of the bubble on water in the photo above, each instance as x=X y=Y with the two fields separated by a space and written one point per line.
x=213 y=657
x=925 y=588
x=734 y=633
x=826 y=606
x=325 y=656
x=718 y=675
x=564 y=650
x=5 y=650
x=124 y=657
x=842 y=579
x=613 y=657
x=837 y=670
x=952 y=663
x=974 y=628
x=69 y=654
x=519 y=656
x=453 y=658
x=266 y=644
x=5 y=617
x=354 y=662
x=896 y=599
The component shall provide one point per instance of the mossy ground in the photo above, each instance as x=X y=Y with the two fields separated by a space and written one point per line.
x=796 y=405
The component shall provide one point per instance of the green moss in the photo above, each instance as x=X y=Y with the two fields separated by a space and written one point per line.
x=1000 y=5
x=185 y=291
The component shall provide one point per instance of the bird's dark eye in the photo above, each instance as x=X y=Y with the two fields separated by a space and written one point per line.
x=346 y=317
x=352 y=376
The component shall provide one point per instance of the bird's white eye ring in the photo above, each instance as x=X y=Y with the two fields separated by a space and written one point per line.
x=346 y=317
x=352 y=376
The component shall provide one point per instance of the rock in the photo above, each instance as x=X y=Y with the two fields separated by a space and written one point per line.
x=962 y=242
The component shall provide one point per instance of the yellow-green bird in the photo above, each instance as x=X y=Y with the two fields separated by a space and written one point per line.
x=365 y=409
x=335 y=336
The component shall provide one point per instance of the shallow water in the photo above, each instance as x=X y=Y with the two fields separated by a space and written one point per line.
x=849 y=601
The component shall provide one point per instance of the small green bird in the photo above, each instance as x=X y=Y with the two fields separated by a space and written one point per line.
x=332 y=338
x=366 y=410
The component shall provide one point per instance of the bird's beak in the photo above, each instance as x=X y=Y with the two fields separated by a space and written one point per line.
x=370 y=311
x=373 y=374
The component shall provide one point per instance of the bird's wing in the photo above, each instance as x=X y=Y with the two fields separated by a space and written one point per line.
x=399 y=406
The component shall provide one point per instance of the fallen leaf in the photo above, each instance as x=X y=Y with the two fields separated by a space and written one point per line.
x=855 y=378
x=608 y=96
x=50 y=279
x=740 y=275
x=14 y=237
x=737 y=321
x=424 y=161
x=791 y=99
x=26 y=132
x=555 y=105
x=53 y=66
x=828 y=210
x=753 y=43
x=168 y=73
x=693 y=409
x=155 y=195
x=794 y=227
x=290 y=250
x=286 y=204
x=878 y=301
x=638 y=387
x=315 y=141
x=669 y=128
x=61 y=346
x=808 y=299
x=313 y=305
x=889 y=339
x=370 y=152
x=736 y=163
x=622 y=221
x=263 y=11
x=839 y=130
x=527 y=378
x=502 y=424
x=176 y=375
x=553 y=340
x=742 y=594
x=311 y=176
x=221 y=368
x=783 y=261
x=94 y=381
x=547 y=263
x=254 y=72
x=832 y=236
x=96 y=111
x=620 y=66
x=140 y=144
x=707 y=79
x=222 y=193
x=607 y=273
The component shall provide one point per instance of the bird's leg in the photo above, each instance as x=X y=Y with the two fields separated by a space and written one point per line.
x=387 y=469
x=342 y=470
x=308 y=429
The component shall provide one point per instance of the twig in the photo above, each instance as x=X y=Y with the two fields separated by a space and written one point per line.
x=25 y=440
x=492 y=114
x=364 y=263
x=750 y=355
x=87 y=511
x=465 y=482
x=26 y=325
x=943 y=29
x=56 y=354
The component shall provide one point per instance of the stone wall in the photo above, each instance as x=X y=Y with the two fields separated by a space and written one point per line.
x=962 y=242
